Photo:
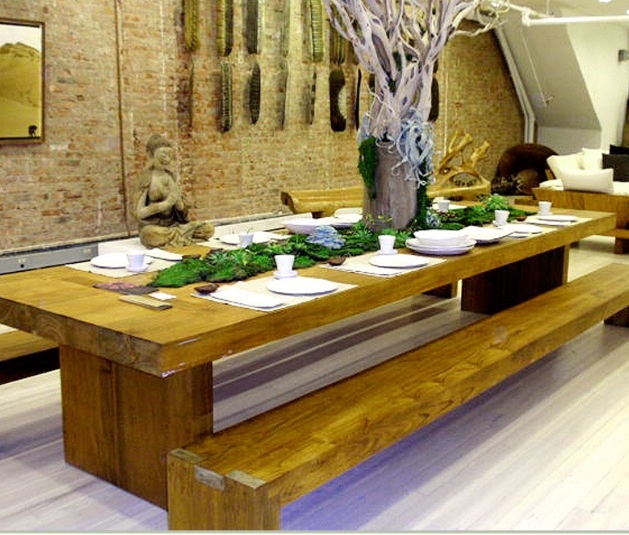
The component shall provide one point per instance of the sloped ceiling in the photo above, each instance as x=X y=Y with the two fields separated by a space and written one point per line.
x=550 y=63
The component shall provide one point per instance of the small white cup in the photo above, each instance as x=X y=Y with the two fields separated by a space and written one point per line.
x=387 y=242
x=135 y=260
x=443 y=205
x=284 y=263
x=245 y=239
x=501 y=217
x=544 y=207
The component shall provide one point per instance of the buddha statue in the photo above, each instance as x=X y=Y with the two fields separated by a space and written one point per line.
x=161 y=208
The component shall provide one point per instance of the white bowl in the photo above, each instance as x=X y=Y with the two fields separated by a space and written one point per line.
x=433 y=237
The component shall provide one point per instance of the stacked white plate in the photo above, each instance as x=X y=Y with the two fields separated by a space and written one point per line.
x=486 y=234
x=441 y=242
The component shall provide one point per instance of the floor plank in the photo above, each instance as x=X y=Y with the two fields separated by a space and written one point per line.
x=546 y=450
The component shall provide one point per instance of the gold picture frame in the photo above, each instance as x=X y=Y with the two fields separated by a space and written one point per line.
x=21 y=81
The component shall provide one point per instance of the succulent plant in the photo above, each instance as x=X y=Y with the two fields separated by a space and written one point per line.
x=327 y=236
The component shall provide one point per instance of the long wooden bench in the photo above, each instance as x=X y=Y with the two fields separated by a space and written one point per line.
x=602 y=202
x=241 y=477
x=23 y=354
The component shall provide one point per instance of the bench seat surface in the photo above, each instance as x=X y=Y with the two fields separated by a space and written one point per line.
x=292 y=450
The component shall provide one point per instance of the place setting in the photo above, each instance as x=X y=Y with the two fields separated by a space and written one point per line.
x=386 y=262
x=284 y=288
x=441 y=242
x=545 y=216
x=126 y=264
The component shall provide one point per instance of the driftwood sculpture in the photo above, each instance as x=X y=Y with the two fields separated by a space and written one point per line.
x=462 y=179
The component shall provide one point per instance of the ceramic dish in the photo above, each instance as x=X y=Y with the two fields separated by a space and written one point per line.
x=558 y=217
x=233 y=239
x=440 y=250
x=397 y=261
x=302 y=286
x=486 y=234
x=114 y=261
x=522 y=228
x=440 y=237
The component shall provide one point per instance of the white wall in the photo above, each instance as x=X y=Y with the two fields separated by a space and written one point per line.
x=607 y=79
x=577 y=88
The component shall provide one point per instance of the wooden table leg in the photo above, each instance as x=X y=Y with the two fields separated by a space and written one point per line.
x=501 y=288
x=120 y=423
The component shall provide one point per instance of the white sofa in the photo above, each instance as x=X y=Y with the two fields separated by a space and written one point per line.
x=583 y=171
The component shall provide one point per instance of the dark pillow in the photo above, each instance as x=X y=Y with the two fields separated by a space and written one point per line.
x=618 y=149
x=619 y=163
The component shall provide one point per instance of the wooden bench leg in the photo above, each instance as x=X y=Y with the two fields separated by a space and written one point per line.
x=447 y=292
x=620 y=319
x=201 y=499
x=621 y=246
x=246 y=504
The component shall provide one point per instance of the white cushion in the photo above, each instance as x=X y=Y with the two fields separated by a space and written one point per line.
x=591 y=159
x=551 y=184
x=621 y=188
x=600 y=181
x=558 y=163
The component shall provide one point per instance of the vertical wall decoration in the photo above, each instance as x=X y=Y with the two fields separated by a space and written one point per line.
x=283 y=90
x=226 y=97
x=225 y=27
x=191 y=24
x=311 y=96
x=285 y=30
x=338 y=47
x=253 y=26
x=255 y=83
x=338 y=101
x=316 y=29
x=359 y=80
x=21 y=81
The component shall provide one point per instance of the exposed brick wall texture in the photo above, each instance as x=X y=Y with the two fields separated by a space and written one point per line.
x=117 y=72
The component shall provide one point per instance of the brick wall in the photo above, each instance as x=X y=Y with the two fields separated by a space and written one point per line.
x=117 y=72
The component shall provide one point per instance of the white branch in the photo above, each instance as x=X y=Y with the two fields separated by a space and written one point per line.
x=398 y=41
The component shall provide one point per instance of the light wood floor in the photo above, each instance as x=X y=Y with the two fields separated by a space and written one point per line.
x=547 y=450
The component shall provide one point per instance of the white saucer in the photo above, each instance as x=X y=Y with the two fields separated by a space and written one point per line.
x=495 y=223
x=287 y=275
x=141 y=269
x=381 y=252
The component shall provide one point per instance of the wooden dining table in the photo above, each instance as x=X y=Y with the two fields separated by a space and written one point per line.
x=137 y=383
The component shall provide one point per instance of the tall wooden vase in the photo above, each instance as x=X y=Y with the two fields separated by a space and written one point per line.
x=395 y=204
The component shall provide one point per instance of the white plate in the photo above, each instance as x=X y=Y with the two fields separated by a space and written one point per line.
x=233 y=239
x=440 y=237
x=302 y=286
x=441 y=250
x=397 y=261
x=113 y=260
x=486 y=234
x=307 y=226
x=522 y=228
x=558 y=217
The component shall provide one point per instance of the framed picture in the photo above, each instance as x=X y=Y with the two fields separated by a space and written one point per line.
x=21 y=81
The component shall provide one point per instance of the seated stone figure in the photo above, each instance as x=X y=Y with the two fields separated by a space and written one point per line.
x=161 y=208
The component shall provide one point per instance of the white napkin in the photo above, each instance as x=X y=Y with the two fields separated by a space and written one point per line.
x=368 y=269
x=238 y=296
x=550 y=221
x=163 y=255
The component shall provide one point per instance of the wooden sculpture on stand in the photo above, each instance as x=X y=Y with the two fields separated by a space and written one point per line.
x=462 y=180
